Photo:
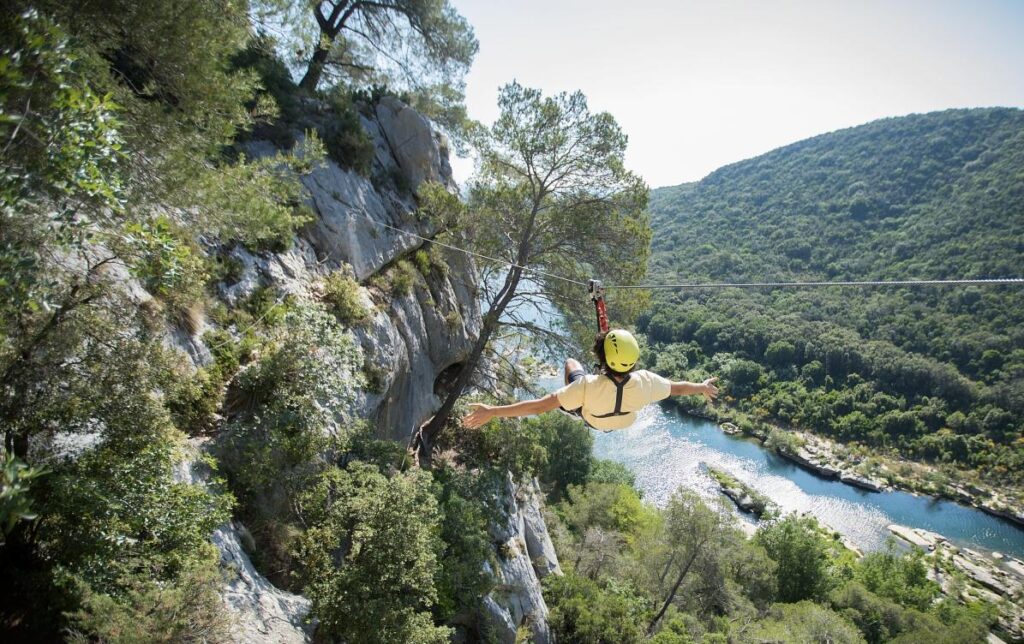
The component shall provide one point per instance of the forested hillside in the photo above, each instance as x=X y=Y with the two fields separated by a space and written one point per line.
x=936 y=373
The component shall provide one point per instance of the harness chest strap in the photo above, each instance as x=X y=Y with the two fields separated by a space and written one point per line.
x=619 y=386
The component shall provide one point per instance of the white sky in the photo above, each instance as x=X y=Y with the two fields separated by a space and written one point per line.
x=698 y=85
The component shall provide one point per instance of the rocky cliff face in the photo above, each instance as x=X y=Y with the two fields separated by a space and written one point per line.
x=411 y=342
x=412 y=339
x=525 y=555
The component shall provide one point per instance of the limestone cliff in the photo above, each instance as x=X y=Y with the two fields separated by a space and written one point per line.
x=411 y=342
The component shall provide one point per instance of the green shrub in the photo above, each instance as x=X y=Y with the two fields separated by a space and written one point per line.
x=403 y=277
x=584 y=611
x=341 y=295
x=421 y=258
x=165 y=261
x=603 y=470
x=188 y=609
x=567 y=444
x=15 y=501
x=381 y=530
x=782 y=441
x=288 y=407
x=195 y=398
x=344 y=137
x=461 y=497
x=802 y=553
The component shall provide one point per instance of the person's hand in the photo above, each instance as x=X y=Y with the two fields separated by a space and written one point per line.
x=710 y=390
x=479 y=414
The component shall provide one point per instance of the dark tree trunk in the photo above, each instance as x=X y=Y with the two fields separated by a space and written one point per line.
x=675 y=589
x=423 y=441
x=315 y=70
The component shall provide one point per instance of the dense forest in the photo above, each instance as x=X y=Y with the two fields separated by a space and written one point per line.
x=930 y=373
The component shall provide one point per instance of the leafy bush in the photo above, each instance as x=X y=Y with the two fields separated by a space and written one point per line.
x=289 y=407
x=462 y=498
x=346 y=140
x=189 y=609
x=369 y=559
x=802 y=554
x=782 y=441
x=567 y=444
x=802 y=622
x=403 y=276
x=15 y=502
x=583 y=611
x=603 y=470
x=341 y=295
x=902 y=578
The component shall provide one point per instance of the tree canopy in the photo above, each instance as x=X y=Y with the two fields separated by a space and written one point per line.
x=407 y=44
x=551 y=197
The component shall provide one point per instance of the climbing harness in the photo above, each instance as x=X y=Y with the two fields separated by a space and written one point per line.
x=620 y=385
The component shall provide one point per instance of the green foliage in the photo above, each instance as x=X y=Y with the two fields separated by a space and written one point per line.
x=164 y=261
x=802 y=553
x=68 y=140
x=587 y=211
x=288 y=407
x=193 y=399
x=804 y=621
x=403 y=277
x=891 y=368
x=603 y=470
x=567 y=444
x=782 y=441
x=15 y=502
x=341 y=296
x=606 y=505
x=344 y=137
x=584 y=612
x=379 y=531
x=884 y=620
x=189 y=608
x=512 y=446
x=116 y=513
x=901 y=578
x=466 y=545
x=430 y=45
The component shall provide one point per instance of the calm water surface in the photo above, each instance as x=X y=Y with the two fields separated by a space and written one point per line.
x=666 y=448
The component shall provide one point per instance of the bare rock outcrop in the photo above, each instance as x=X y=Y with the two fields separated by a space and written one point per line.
x=524 y=555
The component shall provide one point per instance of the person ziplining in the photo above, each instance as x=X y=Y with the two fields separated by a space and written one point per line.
x=608 y=400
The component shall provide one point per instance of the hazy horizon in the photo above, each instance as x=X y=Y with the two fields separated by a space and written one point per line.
x=697 y=86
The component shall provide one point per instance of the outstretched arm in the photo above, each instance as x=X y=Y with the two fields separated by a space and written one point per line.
x=706 y=389
x=482 y=413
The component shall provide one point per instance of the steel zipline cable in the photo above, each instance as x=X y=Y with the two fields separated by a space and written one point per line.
x=716 y=285
x=681 y=286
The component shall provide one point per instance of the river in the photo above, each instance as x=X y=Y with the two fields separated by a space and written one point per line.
x=666 y=449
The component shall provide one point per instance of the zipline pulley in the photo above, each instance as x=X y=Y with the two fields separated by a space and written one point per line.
x=596 y=290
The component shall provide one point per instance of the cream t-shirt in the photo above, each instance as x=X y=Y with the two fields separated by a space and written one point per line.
x=596 y=395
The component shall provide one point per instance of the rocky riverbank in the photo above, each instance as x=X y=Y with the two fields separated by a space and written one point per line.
x=878 y=473
x=994 y=578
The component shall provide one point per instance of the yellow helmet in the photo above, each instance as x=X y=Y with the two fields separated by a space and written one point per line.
x=621 y=350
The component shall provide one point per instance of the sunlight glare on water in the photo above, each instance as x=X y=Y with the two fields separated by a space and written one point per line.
x=666 y=450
